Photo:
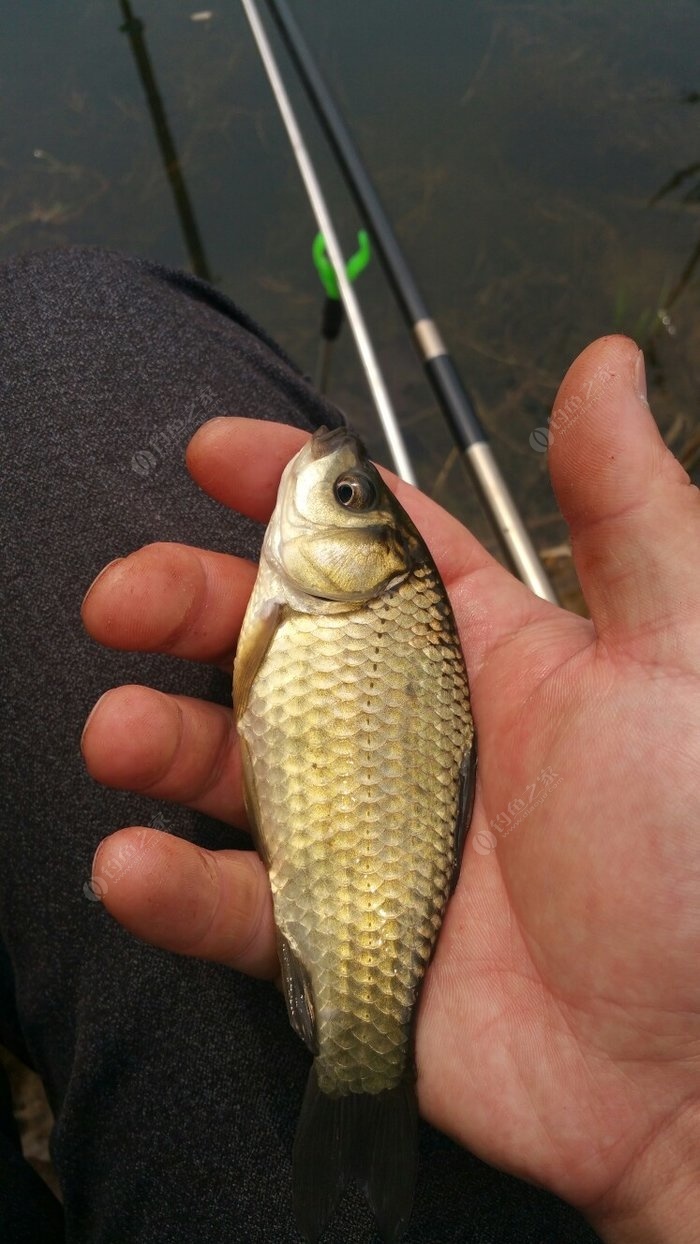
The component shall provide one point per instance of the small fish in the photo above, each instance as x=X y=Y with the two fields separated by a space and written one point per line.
x=352 y=707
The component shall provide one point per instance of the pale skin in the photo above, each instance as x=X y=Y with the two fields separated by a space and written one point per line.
x=558 y=1033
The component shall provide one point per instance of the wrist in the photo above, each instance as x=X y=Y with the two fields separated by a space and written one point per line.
x=658 y=1201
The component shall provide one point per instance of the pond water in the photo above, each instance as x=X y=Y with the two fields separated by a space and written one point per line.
x=540 y=162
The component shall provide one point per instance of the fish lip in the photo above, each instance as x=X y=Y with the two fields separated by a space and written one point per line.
x=329 y=440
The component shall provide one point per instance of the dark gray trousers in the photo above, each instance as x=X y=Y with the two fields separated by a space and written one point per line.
x=176 y=1084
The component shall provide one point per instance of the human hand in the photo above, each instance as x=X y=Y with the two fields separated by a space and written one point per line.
x=558 y=1032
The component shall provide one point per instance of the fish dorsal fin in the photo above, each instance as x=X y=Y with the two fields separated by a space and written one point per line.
x=253 y=644
x=298 y=993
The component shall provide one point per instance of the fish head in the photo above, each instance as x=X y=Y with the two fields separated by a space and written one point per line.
x=337 y=532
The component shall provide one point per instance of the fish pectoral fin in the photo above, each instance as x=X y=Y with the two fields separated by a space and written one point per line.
x=250 y=798
x=298 y=993
x=465 y=806
x=252 y=646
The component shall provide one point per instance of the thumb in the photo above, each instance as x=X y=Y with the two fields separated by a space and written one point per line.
x=633 y=514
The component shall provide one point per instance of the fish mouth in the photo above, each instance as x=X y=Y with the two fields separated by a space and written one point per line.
x=329 y=440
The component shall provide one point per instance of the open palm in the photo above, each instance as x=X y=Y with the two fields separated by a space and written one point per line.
x=559 y=1028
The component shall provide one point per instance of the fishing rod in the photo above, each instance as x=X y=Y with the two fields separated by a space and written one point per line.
x=363 y=341
x=133 y=29
x=455 y=402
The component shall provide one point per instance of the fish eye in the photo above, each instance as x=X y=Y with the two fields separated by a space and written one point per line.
x=355 y=492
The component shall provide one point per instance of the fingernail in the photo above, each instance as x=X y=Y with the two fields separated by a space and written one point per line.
x=91 y=714
x=96 y=888
x=101 y=575
x=204 y=427
x=95 y=858
x=640 y=377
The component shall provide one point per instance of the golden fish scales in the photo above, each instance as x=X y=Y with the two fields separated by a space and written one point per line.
x=358 y=724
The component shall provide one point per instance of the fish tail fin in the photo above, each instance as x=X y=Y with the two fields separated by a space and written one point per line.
x=369 y=1137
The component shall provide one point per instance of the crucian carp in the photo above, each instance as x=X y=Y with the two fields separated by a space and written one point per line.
x=352 y=708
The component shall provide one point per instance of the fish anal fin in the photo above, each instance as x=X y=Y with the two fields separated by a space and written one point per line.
x=371 y=1138
x=298 y=993
x=253 y=644
x=465 y=806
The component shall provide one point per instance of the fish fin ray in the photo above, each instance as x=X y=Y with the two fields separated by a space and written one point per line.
x=251 y=802
x=371 y=1138
x=298 y=993
x=254 y=643
x=465 y=806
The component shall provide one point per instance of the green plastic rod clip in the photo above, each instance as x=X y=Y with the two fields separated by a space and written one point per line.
x=355 y=265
